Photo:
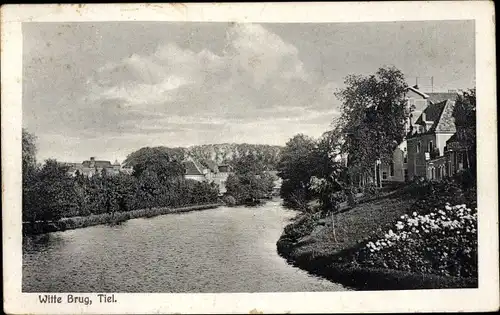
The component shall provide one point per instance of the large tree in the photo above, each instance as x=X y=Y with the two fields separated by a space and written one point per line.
x=373 y=116
x=29 y=179
x=296 y=166
x=28 y=151
x=164 y=162
x=50 y=194
x=249 y=181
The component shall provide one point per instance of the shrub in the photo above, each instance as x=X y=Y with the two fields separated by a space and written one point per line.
x=466 y=179
x=229 y=200
x=442 y=242
x=370 y=190
x=436 y=194
x=303 y=226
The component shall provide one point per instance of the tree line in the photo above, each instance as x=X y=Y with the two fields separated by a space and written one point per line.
x=49 y=193
x=226 y=153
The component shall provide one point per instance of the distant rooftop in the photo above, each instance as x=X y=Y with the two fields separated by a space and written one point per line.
x=191 y=168
x=441 y=114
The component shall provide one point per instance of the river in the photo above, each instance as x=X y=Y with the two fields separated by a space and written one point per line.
x=216 y=250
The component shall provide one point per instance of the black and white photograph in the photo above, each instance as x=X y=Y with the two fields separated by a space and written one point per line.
x=248 y=156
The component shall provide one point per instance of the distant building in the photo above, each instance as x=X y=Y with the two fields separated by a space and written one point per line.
x=278 y=181
x=221 y=176
x=93 y=167
x=193 y=171
x=207 y=171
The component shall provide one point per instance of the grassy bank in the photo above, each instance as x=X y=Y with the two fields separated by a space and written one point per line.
x=105 y=218
x=332 y=268
x=311 y=244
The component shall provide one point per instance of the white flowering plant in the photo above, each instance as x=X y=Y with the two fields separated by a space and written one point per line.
x=442 y=242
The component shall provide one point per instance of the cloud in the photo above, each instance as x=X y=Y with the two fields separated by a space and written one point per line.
x=256 y=81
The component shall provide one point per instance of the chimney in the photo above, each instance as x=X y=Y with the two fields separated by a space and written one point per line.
x=415 y=86
x=92 y=158
x=423 y=117
x=92 y=161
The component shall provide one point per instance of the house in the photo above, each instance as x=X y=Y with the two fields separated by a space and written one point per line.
x=397 y=169
x=208 y=171
x=92 y=167
x=193 y=171
x=418 y=102
x=278 y=181
x=221 y=177
x=426 y=145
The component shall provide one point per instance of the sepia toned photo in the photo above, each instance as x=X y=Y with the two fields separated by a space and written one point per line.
x=318 y=158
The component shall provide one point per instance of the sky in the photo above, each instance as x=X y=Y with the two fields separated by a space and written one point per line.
x=107 y=89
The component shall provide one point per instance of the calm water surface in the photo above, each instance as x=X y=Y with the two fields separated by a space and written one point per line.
x=216 y=250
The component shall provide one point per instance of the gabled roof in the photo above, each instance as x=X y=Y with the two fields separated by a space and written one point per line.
x=441 y=116
x=446 y=122
x=98 y=164
x=432 y=113
x=191 y=168
x=439 y=97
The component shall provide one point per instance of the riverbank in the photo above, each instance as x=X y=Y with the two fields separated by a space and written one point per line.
x=72 y=223
x=310 y=244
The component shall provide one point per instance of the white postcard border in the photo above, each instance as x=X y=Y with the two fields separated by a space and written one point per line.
x=484 y=298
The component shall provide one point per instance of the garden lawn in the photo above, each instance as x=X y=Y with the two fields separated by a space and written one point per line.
x=352 y=226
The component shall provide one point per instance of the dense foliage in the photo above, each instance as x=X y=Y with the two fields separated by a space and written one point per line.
x=459 y=189
x=465 y=121
x=374 y=110
x=249 y=182
x=49 y=193
x=296 y=166
x=142 y=155
x=310 y=170
x=226 y=153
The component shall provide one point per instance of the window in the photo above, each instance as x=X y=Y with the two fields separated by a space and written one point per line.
x=384 y=175
x=430 y=146
x=406 y=174
x=392 y=169
x=418 y=147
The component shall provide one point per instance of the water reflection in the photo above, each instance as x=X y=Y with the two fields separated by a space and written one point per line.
x=217 y=250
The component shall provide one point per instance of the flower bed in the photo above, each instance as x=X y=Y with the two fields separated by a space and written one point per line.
x=442 y=242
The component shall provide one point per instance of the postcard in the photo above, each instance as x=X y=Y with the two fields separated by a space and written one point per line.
x=249 y=158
